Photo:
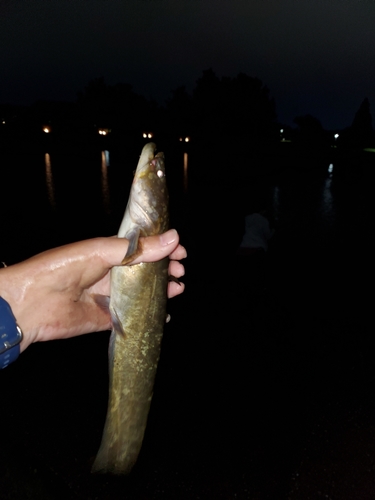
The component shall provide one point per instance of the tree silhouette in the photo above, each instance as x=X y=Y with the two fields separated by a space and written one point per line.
x=360 y=134
x=310 y=131
x=207 y=100
x=361 y=131
x=233 y=108
x=179 y=113
x=116 y=106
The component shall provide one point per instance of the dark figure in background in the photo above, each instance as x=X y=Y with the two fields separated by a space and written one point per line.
x=252 y=251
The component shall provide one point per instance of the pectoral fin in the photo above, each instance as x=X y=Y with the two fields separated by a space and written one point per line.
x=116 y=323
x=102 y=301
x=134 y=248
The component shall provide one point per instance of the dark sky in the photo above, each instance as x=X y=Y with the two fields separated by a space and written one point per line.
x=315 y=56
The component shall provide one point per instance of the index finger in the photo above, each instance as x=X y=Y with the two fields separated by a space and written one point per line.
x=179 y=253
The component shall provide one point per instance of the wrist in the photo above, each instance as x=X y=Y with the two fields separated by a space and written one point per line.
x=10 y=291
x=10 y=335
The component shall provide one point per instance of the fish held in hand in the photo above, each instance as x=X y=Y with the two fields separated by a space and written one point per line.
x=138 y=311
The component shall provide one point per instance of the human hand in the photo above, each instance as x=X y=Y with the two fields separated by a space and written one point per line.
x=52 y=294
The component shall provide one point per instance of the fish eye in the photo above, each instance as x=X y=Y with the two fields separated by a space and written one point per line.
x=160 y=173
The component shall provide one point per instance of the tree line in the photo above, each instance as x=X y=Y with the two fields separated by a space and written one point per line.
x=238 y=109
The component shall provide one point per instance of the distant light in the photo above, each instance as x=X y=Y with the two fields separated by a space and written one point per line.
x=281 y=131
x=147 y=135
x=187 y=139
x=330 y=168
x=3 y=122
x=46 y=130
x=180 y=139
x=103 y=131
x=336 y=136
x=144 y=136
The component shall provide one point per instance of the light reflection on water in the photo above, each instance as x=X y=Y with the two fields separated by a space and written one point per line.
x=49 y=181
x=327 y=198
x=105 y=183
x=327 y=207
x=186 y=157
x=285 y=199
x=304 y=195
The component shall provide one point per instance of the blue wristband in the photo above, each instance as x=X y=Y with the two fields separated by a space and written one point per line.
x=10 y=335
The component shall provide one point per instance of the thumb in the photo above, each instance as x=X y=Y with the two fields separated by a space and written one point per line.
x=157 y=247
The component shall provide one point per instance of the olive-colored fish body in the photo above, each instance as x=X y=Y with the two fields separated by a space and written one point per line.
x=138 y=311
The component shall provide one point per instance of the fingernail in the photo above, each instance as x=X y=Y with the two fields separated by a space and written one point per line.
x=168 y=237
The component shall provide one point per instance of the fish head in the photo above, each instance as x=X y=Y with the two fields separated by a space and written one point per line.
x=147 y=209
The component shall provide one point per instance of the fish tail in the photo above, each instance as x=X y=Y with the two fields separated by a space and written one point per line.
x=125 y=422
x=120 y=445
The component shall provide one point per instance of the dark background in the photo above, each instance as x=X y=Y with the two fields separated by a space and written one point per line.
x=315 y=57
x=260 y=394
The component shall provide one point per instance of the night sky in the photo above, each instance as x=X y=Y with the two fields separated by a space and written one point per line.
x=315 y=56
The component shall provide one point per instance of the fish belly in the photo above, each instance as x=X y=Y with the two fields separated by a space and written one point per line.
x=138 y=307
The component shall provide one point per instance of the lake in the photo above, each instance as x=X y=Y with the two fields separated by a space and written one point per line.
x=258 y=395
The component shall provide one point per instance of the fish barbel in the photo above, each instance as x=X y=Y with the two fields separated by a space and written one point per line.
x=138 y=311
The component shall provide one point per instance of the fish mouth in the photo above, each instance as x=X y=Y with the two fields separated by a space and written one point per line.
x=142 y=203
x=149 y=158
